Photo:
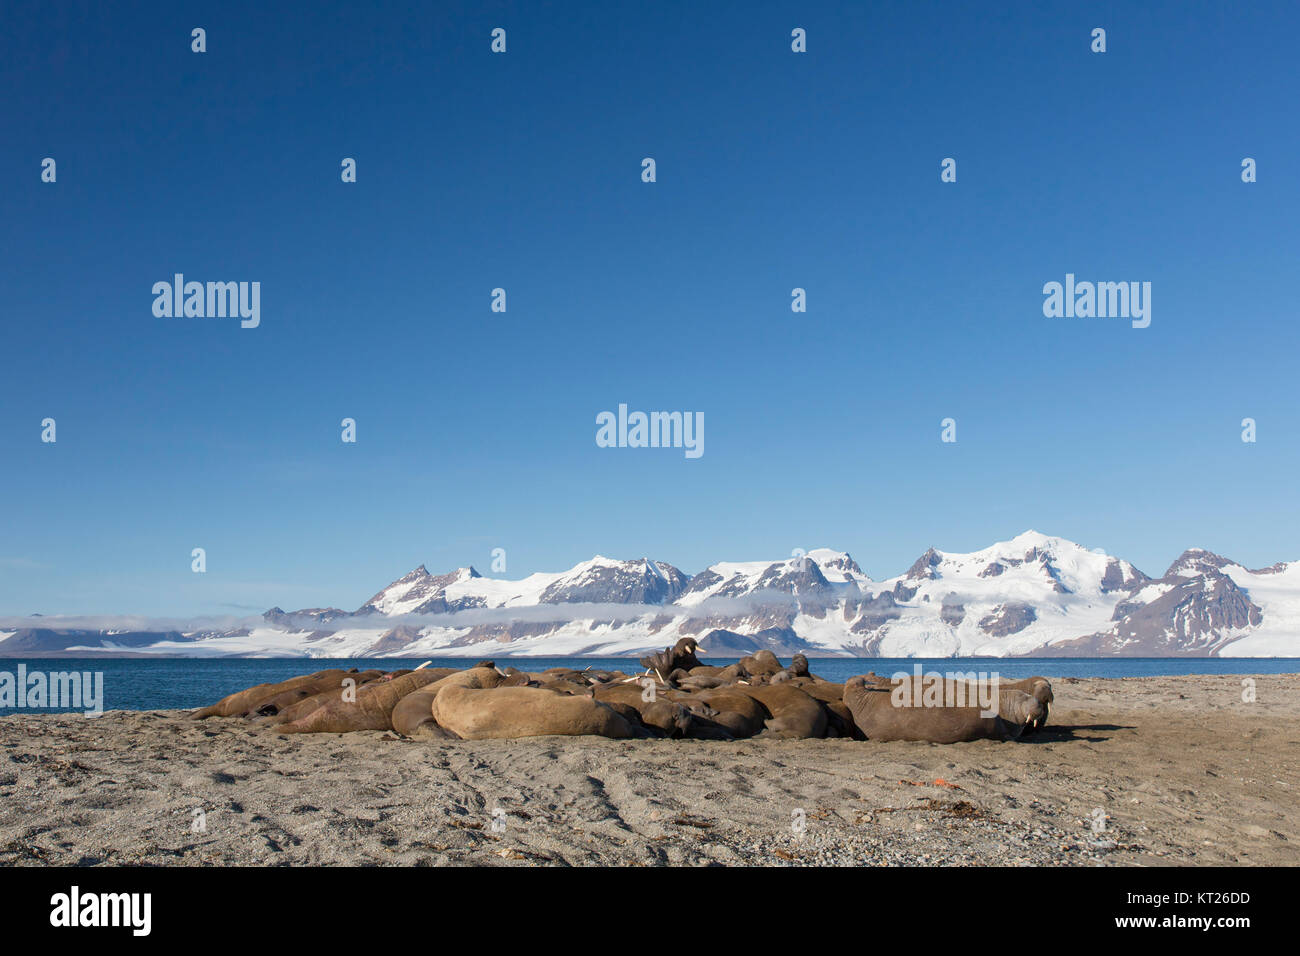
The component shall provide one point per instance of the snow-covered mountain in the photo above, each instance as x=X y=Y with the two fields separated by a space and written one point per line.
x=1034 y=595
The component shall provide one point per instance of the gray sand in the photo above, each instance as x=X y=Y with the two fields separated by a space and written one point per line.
x=1183 y=771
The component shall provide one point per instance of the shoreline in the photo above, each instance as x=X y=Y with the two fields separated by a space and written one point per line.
x=1182 y=770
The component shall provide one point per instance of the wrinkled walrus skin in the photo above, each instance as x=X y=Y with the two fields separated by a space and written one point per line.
x=319 y=693
x=286 y=699
x=739 y=713
x=524 y=712
x=1037 y=687
x=248 y=701
x=413 y=715
x=371 y=710
x=654 y=715
x=794 y=715
x=874 y=711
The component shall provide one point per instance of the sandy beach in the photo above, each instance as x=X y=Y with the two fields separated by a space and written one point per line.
x=1179 y=770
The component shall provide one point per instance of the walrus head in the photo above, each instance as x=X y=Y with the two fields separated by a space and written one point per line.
x=733 y=673
x=1021 y=712
x=799 y=666
x=1041 y=690
x=684 y=653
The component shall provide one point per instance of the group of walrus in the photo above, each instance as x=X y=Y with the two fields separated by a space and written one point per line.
x=676 y=697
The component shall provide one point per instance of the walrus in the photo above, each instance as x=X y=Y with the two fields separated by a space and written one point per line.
x=1020 y=711
x=287 y=698
x=684 y=652
x=738 y=713
x=874 y=711
x=293 y=705
x=705 y=670
x=413 y=714
x=667 y=716
x=1039 y=688
x=1036 y=687
x=248 y=700
x=681 y=656
x=761 y=664
x=703 y=724
x=839 y=717
x=839 y=721
x=794 y=714
x=665 y=713
x=524 y=712
x=797 y=670
x=732 y=673
x=700 y=682
x=372 y=708
x=631 y=692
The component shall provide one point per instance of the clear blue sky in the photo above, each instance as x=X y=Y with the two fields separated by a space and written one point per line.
x=775 y=170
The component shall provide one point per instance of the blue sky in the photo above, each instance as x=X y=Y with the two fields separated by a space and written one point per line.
x=775 y=170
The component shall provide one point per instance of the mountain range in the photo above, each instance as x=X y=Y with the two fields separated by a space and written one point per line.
x=1033 y=595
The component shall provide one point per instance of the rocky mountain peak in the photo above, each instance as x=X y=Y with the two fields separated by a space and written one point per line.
x=1196 y=561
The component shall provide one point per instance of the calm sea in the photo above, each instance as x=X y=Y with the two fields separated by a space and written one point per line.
x=171 y=683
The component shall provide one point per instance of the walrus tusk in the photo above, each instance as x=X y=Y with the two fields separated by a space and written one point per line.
x=660 y=676
x=424 y=665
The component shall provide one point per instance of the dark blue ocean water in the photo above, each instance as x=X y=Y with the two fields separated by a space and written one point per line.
x=170 y=683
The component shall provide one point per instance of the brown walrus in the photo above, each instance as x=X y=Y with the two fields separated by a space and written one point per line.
x=794 y=714
x=681 y=656
x=700 y=682
x=287 y=698
x=413 y=714
x=1039 y=688
x=732 y=673
x=705 y=670
x=247 y=701
x=668 y=718
x=880 y=717
x=761 y=664
x=294 y=706
x=372 y=708
x=524 y=712
x=664 y=714
x=738 y=713
x=839 y=717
